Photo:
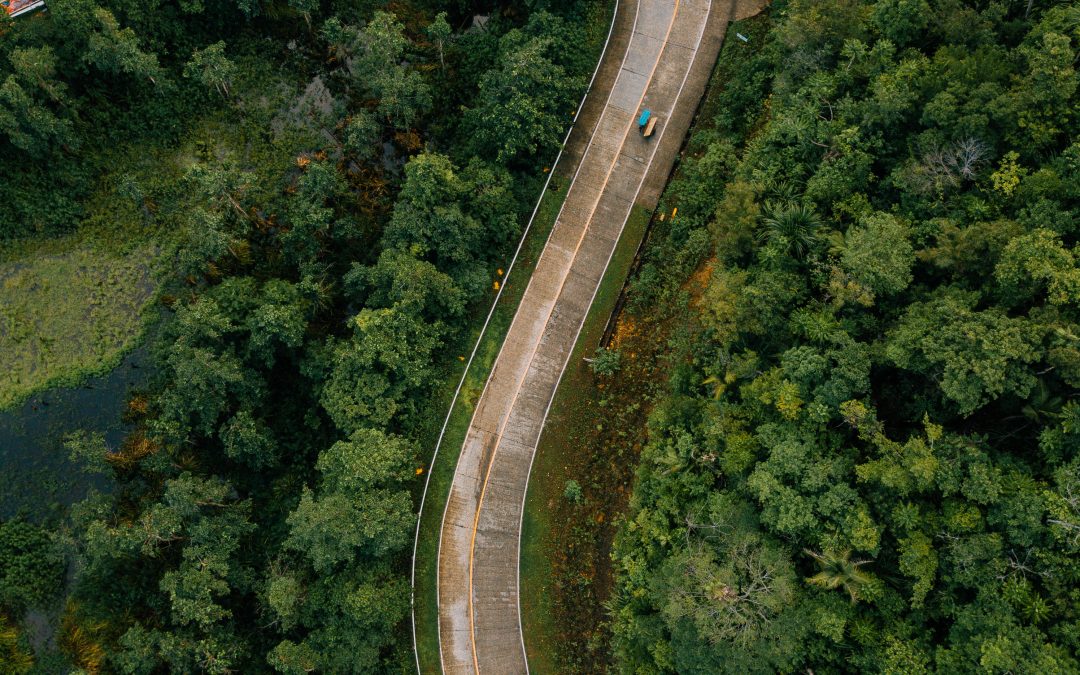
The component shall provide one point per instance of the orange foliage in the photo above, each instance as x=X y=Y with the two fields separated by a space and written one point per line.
x=409 y=140
x=80 y=640
x=625 y=328
x=371 y=187
x=136 y=446
x=138 y=405
x=699 y=281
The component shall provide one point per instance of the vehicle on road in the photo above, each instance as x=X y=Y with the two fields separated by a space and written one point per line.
x=646 y=123
x=649 y=128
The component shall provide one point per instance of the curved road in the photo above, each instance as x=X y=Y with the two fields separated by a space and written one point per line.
x=670 y=48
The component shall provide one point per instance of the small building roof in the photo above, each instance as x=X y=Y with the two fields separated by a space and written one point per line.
x=17 y=7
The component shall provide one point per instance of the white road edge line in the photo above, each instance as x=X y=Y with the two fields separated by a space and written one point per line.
x=581 y=239
x=577 y=336
x=513 y=322
x=536 y=347
x=479 y=339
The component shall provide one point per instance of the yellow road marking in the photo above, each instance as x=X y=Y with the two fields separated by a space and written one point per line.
x=562 y=285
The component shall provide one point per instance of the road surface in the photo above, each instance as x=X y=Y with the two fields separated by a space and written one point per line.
x=663 y=55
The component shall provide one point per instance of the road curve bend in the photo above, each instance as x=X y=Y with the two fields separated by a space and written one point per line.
x=670 y=50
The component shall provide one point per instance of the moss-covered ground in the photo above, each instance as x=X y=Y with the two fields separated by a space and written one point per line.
x=67 y=315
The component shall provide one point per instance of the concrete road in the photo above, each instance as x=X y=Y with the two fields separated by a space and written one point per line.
x=661 y=56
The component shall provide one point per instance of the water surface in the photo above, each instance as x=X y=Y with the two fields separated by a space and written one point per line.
x=37 y=477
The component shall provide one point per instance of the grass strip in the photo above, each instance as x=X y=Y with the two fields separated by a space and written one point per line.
x=425 y=593
x=427 y=607
x=593 y=433
x=576 y=389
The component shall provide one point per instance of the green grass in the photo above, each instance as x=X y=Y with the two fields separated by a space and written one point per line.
x=68 y=315
x=71 y=306
x=427 y=612
x=546 y=483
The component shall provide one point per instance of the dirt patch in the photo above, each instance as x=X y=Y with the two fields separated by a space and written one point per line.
x=606 y=432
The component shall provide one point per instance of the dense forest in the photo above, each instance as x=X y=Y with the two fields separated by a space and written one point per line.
x=866 y=456
x=333 y=186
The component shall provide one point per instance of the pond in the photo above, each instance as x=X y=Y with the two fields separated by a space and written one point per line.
x=37 y=477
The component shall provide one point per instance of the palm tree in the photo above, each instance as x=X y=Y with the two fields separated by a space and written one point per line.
x=1042 y=405
x=785 y=192
x=795 y=223
x=838 y=570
